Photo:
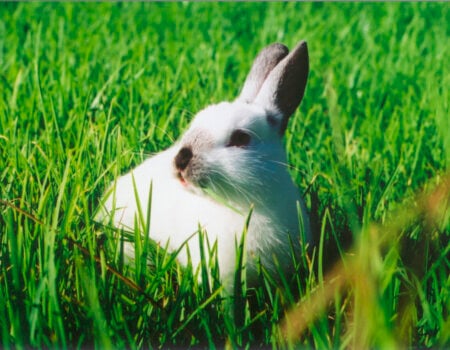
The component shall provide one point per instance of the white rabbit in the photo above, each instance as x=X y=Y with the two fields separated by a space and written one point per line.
x=229 y=160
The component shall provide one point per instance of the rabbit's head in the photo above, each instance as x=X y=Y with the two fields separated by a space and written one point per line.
x=234 y=149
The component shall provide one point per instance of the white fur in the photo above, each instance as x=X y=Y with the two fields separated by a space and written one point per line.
x=238 y=177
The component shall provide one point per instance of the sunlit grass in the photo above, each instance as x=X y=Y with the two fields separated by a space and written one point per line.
x=87 y=91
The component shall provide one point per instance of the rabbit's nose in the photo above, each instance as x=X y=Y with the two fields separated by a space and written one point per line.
x=183 y=157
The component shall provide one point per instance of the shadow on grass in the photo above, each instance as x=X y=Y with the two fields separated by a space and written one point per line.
x=357 y=276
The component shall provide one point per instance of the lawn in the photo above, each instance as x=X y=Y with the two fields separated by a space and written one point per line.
x=87 y=91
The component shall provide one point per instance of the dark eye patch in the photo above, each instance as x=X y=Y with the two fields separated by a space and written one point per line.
x=239 y=138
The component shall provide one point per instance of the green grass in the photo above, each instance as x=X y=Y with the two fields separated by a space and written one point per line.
x=89 y=90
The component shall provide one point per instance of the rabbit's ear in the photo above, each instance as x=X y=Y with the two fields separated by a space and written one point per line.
x=264 y=63
x=283 y=89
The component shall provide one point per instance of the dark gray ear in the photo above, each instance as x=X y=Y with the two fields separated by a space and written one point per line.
x=266 y=60
x=284 y=87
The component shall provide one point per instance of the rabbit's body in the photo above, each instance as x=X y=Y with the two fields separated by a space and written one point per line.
x=229 y=161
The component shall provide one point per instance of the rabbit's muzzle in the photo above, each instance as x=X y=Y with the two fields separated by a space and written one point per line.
x=183 y=158
x=181 y=162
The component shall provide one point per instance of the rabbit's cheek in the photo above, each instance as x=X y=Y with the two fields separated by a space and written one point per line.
x=199 y=176
x=203 y=182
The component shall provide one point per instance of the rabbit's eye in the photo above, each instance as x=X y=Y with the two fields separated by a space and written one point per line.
x=239 y=138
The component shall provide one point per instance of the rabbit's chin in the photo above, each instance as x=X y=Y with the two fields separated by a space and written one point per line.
x=191 y=185
x=203 y=186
